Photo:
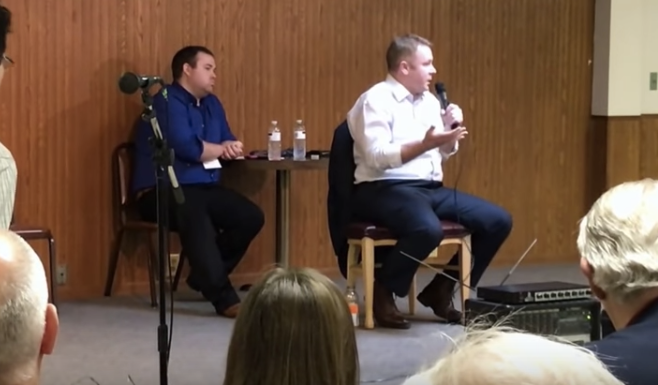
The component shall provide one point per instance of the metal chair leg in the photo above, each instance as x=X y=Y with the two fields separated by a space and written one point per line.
x=112 y=263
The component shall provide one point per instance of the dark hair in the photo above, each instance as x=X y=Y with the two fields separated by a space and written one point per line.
x=186 y=55
x=5 y=27
x=402 y=47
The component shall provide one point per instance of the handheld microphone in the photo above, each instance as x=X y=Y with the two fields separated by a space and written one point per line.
x=443 y=99
x=129 y=82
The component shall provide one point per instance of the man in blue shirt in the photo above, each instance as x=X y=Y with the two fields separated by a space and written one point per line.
x=215 y=224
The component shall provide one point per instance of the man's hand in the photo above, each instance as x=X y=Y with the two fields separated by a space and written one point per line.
x=435 y=138
x=232 y=149
x=452 y=114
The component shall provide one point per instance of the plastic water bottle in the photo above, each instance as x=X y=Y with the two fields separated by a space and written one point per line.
x=299 y=145
x=353 y=304
x=274 y=142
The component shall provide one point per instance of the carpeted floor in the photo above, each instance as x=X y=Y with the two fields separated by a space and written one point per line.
x=107 y=340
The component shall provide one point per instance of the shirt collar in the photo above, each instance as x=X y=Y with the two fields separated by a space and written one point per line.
x=185 y=94
x=399 y=91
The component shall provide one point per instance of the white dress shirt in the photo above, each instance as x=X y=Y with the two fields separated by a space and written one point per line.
x=383 y=119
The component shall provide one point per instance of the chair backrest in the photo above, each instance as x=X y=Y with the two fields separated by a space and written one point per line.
x=341 y=187
x=122 y=200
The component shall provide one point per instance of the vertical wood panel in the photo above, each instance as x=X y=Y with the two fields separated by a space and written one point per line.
x=519 y=68
x=631 y=148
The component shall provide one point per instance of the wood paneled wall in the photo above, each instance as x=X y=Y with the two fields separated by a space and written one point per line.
x=520 y=69
x=631 y=150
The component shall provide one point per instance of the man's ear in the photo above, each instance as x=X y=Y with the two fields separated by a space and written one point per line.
x=588 y=272
x=51 y=330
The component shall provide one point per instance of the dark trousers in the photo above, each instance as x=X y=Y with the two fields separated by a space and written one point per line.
x=411 y=211
x=215 y=226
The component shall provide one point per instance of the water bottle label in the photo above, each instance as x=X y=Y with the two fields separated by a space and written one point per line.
x=354 y=309
x=275 y=136
x=300 y=135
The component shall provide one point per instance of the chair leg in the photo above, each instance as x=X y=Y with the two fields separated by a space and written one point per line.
x=179 y=271
x=153 y=264
x=52 y=257
x=368 y=268
x=465 y=272
x=412 y=296
x=113 y=261
x=352 y=255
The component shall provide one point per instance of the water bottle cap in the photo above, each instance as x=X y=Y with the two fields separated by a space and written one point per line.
x=274 y=122
x=299 y=121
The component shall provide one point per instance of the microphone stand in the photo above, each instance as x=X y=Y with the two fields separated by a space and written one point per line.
x=163 y=158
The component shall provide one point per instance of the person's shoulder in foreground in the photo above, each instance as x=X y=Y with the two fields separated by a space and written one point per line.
x=631 y=351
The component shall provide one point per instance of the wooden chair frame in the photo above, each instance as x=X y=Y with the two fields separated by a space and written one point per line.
x=366 y=247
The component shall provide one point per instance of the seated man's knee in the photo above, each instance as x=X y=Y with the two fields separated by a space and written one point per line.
x=503 y=222
x=254 y=219
x=495 y=220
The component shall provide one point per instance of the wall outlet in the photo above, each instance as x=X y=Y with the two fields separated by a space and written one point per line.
x=62 y=275
x=653 y=81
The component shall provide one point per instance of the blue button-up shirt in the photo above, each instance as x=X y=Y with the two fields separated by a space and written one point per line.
x=185 y=124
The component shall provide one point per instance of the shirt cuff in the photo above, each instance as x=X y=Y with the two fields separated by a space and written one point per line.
x=394 y=156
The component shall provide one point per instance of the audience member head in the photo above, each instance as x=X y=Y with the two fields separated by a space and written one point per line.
x=500 y=355
x=28 y=324
x=618 y=244
x=410 y=61
x=294 y=327
x=5 y=26
x=193 y=67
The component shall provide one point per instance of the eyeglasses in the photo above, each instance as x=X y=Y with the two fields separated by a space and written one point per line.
x=6 y=61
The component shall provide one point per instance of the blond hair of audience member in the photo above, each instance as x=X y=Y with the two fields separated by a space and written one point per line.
x=500 y=356
x=293 y=328
x=618 y=244
x=28 y=323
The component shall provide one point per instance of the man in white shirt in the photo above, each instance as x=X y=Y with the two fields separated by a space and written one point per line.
x=8 y=171
x=401 y=136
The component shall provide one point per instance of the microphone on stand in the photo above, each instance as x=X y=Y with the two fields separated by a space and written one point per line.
x=442 y=94
x=163 y=158
x=129 y=82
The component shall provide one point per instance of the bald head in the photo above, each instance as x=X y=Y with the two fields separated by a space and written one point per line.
x=28 y=324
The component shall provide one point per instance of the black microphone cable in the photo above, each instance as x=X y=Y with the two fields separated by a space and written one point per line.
x=441 y=94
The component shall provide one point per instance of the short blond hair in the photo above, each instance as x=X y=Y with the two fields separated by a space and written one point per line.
x=403 y=46
x=618 y=238
x=293 y=328
x=501 y=355
x=23 y=303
